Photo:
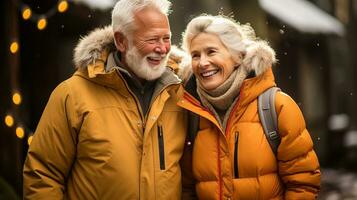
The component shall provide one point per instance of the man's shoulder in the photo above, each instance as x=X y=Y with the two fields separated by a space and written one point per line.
x=79 y=77
x=69 y=84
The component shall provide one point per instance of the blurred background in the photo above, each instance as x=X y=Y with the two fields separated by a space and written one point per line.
x=315 y=42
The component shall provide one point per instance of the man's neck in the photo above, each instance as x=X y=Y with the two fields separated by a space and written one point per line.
x=141 y=80
x=121 y=62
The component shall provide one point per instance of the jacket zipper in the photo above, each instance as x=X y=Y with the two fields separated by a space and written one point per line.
x=233 y=111
x=225 y=134
x=219 y=167
x=160 y=136
x=236 y=136
x=153 y=98
x=143 y=117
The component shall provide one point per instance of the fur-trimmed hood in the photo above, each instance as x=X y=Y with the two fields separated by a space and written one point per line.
x=91 y=46
x=258 y=58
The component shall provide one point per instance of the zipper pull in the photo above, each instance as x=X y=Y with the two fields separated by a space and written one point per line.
x=160 y=131
x=159 y=126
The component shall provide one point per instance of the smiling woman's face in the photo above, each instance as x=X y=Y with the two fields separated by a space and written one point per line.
x=212 y=63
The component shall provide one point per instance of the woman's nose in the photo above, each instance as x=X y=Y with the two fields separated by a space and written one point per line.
x=203 y=62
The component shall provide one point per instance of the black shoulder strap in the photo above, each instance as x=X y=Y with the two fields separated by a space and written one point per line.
x=192 y=127
x=268 y=118
x=193 y=119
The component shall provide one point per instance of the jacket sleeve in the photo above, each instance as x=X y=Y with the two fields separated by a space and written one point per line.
x=52 y=150
x=298 y=164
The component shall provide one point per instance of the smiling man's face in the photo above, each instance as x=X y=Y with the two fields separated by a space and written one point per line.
x=147 y=53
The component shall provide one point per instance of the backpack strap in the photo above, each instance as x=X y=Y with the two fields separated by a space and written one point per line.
x=268 y=118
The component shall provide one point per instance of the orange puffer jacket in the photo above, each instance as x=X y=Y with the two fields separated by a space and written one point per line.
x=238 y=163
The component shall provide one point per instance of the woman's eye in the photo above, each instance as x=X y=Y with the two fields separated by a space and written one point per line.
x=211 y=52
x=194 y=56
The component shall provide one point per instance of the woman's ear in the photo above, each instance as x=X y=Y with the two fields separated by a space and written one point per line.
x=121 y=42
x=238 y=59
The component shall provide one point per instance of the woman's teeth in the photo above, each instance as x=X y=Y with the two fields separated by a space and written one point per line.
x=209 y=73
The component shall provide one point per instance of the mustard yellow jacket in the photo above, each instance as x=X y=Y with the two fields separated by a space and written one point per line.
x=93 y=142
x=238 y=163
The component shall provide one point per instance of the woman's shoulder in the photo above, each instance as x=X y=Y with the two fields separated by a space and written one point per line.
x=282 y=100
x=290 y=117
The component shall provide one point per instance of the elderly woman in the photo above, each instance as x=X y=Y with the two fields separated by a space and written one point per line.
x=232 y=158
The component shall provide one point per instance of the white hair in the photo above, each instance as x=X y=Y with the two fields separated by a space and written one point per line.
x=239 y=39
x=234 y=36
x=123 y=12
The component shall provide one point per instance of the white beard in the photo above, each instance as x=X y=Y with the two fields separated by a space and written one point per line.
x=140 y=66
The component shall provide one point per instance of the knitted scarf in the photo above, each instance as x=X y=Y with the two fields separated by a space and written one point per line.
x=221 y=98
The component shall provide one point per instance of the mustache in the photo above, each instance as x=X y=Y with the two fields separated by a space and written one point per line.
x=157 y=55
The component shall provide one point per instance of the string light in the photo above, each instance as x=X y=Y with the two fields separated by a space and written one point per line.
x=29 y=139
x=41 y=20
x=62 y=6
x=16 y=98
x=9 y=120
x=26 y=13
x=14 y=47
x=20 y=132
x=42 y=23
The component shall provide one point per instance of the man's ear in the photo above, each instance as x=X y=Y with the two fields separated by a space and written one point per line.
x=121 y=42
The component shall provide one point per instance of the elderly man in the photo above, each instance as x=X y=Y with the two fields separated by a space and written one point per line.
x=113 y=130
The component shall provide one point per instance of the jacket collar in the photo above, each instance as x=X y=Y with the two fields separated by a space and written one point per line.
x=253 y=87
x=250 y=90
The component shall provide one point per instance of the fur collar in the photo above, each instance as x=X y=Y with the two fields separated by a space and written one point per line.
x=91 y=46
x=259 y=58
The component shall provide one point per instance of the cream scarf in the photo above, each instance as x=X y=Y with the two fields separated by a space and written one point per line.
x=220 y=99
